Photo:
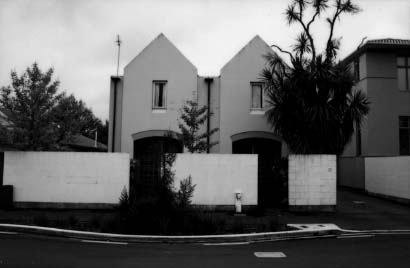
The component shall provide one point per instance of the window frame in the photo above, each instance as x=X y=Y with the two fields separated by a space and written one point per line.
x=407 y=118
x=262 y=97
x=406 y=68
x=164 y=94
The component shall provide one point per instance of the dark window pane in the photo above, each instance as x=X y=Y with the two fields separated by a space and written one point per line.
x=404 y=121
x=400 y=61
x=161 y=95
x=404 y=142
x=257 y=96
x=401 y=78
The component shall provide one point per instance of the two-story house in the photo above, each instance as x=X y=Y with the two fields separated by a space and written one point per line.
x=145 y=103
x=382 y=69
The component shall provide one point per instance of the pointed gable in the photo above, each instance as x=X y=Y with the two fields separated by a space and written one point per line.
x=161 y=51
x=250 y=55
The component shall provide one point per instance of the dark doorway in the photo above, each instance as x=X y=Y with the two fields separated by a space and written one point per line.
x=269 y=154
x=149 y=154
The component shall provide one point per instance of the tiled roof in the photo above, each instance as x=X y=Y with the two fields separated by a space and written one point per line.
x=389 y=41
x=386 y=43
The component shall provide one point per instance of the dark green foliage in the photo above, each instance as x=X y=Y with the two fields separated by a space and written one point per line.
x=193 y=118
x=41 y=220
x=40 y=117
x=313 y=104
x=185 y=193
x=29 y=103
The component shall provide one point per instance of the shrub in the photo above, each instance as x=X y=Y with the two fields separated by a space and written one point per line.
x=41 y=220
x=185 y=193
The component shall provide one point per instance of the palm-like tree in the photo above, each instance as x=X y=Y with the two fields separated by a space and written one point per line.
x=313 y=104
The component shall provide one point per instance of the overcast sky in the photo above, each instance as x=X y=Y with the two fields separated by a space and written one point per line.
x=76 y=38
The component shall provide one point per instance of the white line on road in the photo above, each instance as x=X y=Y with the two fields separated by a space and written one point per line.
x=104 y=242
x=354 y=236
x=270 y=255
x=8 y=233
x=226 y=244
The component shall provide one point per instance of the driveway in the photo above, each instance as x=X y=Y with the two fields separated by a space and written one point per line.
x=359 y=211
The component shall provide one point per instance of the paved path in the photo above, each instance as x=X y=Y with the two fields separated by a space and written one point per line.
x=17 y=250
x=359 y=211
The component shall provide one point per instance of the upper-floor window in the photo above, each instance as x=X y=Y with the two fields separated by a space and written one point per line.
x=404 y=135
x=257 y=96
x=159 y=95
x=403 y=73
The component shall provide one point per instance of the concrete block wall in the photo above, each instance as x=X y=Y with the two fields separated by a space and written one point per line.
x=218 y=176
x=47 y=178
x=312 y=180
x=388 y=176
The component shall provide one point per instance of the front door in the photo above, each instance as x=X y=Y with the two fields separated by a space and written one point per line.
x=269 y=153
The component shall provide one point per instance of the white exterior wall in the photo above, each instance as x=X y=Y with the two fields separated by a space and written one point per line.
x=235 y=103
x=312 y=180
x=388 y=176
x=66 y=177
x=218 y=176
x=160 y=60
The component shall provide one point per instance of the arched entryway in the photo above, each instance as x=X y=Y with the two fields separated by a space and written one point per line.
x=269 y=149
x=149 y=153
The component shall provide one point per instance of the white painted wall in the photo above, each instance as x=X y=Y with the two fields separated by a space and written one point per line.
x=312 y=180
x=218 y=176
x=66 y=177
x=160 y=60
x=388 y=176
x=236 y=115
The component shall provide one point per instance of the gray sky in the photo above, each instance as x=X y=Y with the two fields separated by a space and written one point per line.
x=77 y=37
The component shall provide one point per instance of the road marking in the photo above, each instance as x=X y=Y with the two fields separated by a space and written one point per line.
x=359 y=202
x=104 y=242
x=8 y=233
x=226 y=244
x=270 y=255
x=354 y=236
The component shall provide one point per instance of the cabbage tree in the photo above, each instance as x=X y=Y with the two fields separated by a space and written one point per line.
x=313 y=104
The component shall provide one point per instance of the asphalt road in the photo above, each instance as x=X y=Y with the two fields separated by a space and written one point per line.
x=18 y=250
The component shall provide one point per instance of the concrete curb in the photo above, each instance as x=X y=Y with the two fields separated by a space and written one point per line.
x=230 y=238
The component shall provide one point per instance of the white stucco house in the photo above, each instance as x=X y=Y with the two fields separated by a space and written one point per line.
x=145 y=103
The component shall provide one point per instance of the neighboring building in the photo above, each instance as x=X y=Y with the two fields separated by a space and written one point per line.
x=81 y=143
x=78 y=143
x=382 y=69
x=145 y=103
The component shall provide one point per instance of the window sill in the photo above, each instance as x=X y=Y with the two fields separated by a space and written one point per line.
x=159 y=110
x=260 y=112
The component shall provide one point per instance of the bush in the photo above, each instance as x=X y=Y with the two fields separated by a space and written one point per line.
x=41 y=220
x=185 y=193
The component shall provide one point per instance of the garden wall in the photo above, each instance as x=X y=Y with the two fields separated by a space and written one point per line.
x=66 y=179
x=312 y=182
x=350 y=172
x=388 y=176
x=218 y=176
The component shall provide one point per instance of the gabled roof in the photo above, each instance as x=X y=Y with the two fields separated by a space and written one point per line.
x=255 y=40
x=160 y=38
x=386 y=44
x=82 y=141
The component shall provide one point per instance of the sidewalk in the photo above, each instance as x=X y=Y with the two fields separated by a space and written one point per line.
x=359 y=211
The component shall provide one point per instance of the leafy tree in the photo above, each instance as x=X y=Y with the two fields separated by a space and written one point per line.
x=313 y=104
x=74 y=117
x=30 y=101
x=193 y=117
x=40 y=117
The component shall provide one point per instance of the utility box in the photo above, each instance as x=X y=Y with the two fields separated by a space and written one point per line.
x=6 y=197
